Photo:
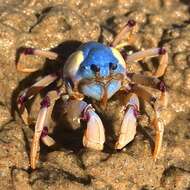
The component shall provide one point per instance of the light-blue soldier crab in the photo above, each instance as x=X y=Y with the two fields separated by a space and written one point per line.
x=97 y=71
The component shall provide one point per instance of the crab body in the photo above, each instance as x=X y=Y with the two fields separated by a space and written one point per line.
x=97 y=71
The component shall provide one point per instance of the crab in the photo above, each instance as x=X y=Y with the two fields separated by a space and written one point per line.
x=97 y=71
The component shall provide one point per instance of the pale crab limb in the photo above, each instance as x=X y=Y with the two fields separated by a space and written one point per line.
x=154 y=52
x=143 y=93
x=31 y=51
x=54 y=96
x=94 y=135
x=41 y=127
x=30 y=93
x=159 y=127
x=128 y=126
x=152 y=82
x=157 y=121
x=126 y=31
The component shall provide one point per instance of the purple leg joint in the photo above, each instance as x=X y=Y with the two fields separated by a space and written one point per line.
x=135 y=111
x=85 y=115
x=22 y=99
x=45 y=103
x=28 y=51
x=161 y=86
x=44 y=132
x=131 y=23
x=162 y=51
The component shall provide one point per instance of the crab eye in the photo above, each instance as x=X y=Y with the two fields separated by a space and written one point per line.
x=95 y=68
x=113 y=66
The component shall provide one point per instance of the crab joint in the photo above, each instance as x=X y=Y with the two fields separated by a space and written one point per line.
x=161 y=86
x=85 y=113
x=45 y=103
x=28 y=51
x=22 y=99
x=44 y=132
x=135 y=111
x=162 y=51
x=131 y=23
x=47 y=140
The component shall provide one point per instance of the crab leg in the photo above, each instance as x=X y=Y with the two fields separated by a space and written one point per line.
x=126 y=31
x=152 y=82
x=41 y=127
x=157 y=121
x=152 y=53
x=31 y=51
x=128 y=126
x=31 y=92
x=94 y=135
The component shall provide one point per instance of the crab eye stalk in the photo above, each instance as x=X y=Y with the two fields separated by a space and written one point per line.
x=95 y=68
x=113 y=66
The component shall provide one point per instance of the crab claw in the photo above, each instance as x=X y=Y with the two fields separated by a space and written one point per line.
x=94 y=136
x=128 y=126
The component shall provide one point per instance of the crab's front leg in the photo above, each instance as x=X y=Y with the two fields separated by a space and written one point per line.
x=30 y=93
x=94 y=135
x=32 y=51
x=128 y=126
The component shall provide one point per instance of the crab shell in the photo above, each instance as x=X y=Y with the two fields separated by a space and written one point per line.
x=98 y=85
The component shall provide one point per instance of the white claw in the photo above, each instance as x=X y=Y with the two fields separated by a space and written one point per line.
x=128 y=126
x=94 y=136
x=127 y=130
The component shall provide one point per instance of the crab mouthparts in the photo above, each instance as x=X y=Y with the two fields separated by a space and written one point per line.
x=104 y=98
x=101 y=88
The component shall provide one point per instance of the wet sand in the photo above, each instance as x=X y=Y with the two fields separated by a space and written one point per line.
x=62 y=26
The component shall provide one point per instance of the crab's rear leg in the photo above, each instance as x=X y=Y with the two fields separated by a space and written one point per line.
x=41 y=127
x=154 y=52
x=157 y=122
x=128 y=126
x=94 y=135
x=32 y=51
x=30 y=93
x=157 y=104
